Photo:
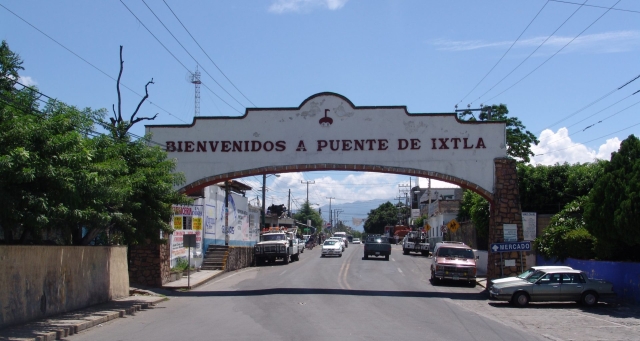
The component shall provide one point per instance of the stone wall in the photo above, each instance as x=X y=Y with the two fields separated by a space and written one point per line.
x=239 y=257
x=505 y=209
x=150 y=264
x=466 y=233
x=41 y=281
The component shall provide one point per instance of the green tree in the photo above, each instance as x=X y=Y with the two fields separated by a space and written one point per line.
x=519 y=140
x=547 y=189
x=612 y=213
x=566 y=235
x=476 y=209
x=308 y=213
x=58 y=176
x=378 y=218
x=10 y=65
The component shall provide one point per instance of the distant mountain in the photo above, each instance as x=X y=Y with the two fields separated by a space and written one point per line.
x=357 y=209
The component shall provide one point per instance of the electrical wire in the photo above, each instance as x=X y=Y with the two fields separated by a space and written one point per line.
x=509 y=49
x=529 y=56
x=190 y=55
x=206 y=54
x=615 y=9
x=582 y=143
x=553 y=55
x=87 y=62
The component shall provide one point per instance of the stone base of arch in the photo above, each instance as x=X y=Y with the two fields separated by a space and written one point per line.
x=505 y=209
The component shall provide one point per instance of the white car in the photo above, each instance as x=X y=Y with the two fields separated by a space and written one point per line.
x=339 y=240
x=331 y=247
x=356 y=241
x=528 y=273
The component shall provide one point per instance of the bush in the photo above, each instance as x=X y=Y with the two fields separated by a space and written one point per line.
x=580 y=244
x=181 y=265
x=566 y=235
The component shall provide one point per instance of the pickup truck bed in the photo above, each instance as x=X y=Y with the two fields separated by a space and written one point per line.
x=377 y=246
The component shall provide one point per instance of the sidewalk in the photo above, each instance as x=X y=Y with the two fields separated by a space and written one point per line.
x=63 y=325
x=60 y=326
x=194 y=280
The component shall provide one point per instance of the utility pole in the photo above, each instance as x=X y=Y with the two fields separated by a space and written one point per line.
x=226 y=212
x=307 y=182
x=289 y=205
x=330 y=220
x=338 y=211
x=405 y=190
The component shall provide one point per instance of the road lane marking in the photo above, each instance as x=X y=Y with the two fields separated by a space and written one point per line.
x=399 y=270
x=283 y=272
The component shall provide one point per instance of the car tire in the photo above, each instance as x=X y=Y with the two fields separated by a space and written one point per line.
x=426 y=254
x=340 y=255
x=589 y=298
x=286 y=259
x=405 y=252
x=386 y=257
x=472 y=284
x=321 y=256
x=366 y=256
x=520 y=299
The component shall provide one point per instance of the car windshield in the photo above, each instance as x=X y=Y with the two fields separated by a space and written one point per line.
x=526 y=273
x=455 y=252
x=535 y=276
x=374 y=240
x=269 y=237
x=330 y=242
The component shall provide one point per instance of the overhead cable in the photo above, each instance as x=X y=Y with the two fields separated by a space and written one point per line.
x=509 y=49
x=87 y=62
x=206 y=54
x=553 y=55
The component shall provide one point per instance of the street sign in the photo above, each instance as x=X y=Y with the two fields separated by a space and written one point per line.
x=427 y=227
x=453 y=225
x=189 y=240
x=511 y=246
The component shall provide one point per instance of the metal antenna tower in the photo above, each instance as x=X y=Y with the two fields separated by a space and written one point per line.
x=195 y=79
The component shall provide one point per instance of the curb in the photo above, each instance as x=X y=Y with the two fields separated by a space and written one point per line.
x=72 y=323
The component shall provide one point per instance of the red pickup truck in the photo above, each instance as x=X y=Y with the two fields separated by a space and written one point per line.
x=377 y=246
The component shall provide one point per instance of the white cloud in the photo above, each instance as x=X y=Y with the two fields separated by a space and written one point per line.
x=26 y=80
x=558 y=148
x=606 y=42
x=283 y=6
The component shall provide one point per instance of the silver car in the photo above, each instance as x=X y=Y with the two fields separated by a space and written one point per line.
x=553 y=285
x=528 y=273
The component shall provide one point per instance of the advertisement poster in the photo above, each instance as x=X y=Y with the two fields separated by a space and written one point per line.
x=187 y=219
x=210 y=219
x=529 y=225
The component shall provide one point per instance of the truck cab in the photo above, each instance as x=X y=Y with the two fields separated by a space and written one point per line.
x=275 y=244
x=415 y=241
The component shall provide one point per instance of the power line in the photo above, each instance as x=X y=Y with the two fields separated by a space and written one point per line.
x=206 y=54
x=509 y=49
x=102 y=124
x=553 y=55
x=87 y=62
x=589 y=105
x=582 y=143
x=190 y=55
x=574 y=3
x=529 y=56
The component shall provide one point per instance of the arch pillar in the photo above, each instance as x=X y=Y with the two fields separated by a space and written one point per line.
x=505 y=209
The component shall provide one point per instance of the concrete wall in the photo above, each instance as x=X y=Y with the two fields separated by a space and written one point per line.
x=40 y=281
x=625 y=276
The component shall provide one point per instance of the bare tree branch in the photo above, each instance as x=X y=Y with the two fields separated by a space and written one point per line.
x=119 y=117
x=146 y=95
x=144 y=118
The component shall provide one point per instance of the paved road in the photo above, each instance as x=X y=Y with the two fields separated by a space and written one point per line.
x=349 y=298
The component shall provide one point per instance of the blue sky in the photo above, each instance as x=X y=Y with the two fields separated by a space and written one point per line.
x=557 y=65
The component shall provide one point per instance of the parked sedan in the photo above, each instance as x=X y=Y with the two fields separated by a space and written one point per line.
x=528 y=273
x=553 y=285
x=331 y=247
